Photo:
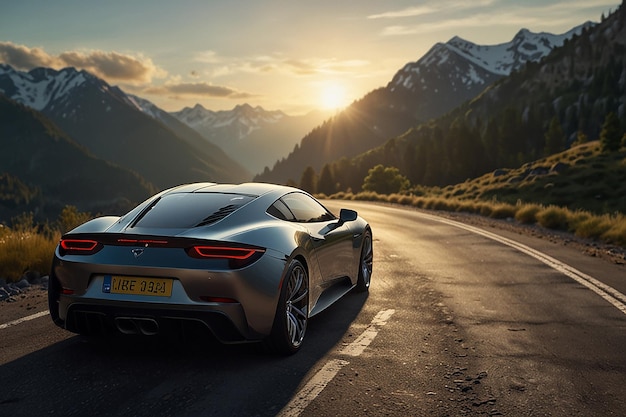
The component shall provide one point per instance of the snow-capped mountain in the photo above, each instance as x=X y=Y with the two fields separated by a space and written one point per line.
x=111 y=126
x=51 y=91
x=453 y=72
x=448 y=75
x=242 y=120
x=253 y=136
x=149 y=108
x=506 y=57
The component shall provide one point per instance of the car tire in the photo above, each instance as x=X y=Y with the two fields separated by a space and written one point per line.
x=292 y=313
x=365 y=263
x=54 y=291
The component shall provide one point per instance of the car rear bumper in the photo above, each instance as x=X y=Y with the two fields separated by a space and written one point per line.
x=227 y=323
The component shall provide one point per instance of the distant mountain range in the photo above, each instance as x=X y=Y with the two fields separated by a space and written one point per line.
x=458 y=70
x=546 y=106
x=445 y=77
x=42 y=170
x=253 y=136
x=109 y=126
x=241 y=121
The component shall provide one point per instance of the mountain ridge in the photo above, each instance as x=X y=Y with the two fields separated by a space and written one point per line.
x=30 y=141
x=250 y=134
x=435 y=84
x=108 y=123
x=246 y=117
x=543 y=108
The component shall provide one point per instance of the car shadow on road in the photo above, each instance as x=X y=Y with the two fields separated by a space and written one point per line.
x=168 y=377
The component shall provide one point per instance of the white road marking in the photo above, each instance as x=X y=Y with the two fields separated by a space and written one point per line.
x=313 y=388
x=319 y=381
x=23 y=319
x=360 y=343
x=610 y=294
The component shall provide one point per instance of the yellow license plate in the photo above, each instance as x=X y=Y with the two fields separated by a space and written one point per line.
x=141 y=286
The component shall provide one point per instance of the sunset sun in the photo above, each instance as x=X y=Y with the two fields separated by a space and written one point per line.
x=333 y=96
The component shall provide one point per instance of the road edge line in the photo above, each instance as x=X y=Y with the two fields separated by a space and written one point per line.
x=23 y=319
x=608 y=293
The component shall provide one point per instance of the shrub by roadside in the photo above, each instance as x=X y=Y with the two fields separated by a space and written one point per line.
x=27 y=247
x=610 y=229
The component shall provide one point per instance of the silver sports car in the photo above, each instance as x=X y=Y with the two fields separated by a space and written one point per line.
x=246 y=262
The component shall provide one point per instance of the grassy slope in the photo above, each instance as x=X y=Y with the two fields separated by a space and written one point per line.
x=581 y=178
x=580 y=191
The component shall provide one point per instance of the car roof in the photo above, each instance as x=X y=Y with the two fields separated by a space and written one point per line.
x=250 y=188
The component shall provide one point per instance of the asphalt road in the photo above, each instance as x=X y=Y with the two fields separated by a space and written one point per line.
x=457 y=322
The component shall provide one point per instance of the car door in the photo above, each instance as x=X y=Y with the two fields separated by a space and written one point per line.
x=333 y=243
x=331 y=239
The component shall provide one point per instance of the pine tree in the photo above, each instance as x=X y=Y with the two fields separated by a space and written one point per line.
x=555 y=138
x=308 y=181
x=611 y=134
x=326 y=183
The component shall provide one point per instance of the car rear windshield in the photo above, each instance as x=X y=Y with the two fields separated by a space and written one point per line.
x=185 y=210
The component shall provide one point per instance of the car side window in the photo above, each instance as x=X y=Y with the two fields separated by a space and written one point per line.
x=306 y=209
x=280 y=211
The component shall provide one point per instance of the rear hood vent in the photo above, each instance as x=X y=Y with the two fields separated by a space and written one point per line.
x=218 y=215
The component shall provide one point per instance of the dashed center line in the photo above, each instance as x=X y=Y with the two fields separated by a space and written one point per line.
x=319 y=381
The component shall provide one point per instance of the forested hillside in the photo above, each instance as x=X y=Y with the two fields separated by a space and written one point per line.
x=44 y=170
x=539 y=110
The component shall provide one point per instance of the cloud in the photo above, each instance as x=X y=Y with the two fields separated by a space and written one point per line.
x=408 y=12
x=135 y=73
x=111 y=66
x=220 y=66
x=114 y=66
x=452 y=15
x=434 y=7
x=207 y=57
x=306 y=67
x=24 y=58
x=476 y=20
x=196 y=90
x=298 y=67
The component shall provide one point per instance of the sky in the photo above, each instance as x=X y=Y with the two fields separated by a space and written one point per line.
x=289 y=55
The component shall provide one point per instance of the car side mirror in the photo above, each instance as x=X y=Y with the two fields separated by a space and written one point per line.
x=347 y=215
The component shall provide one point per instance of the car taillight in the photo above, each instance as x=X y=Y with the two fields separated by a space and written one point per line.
x=236 y=256
x=222 y=252
x=79 y=246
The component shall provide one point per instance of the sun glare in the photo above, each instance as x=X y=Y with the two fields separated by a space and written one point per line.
x=333 y=96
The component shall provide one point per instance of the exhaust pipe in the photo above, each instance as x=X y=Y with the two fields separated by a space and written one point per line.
x=137 y=325
x=148 y=327
x=126 y=325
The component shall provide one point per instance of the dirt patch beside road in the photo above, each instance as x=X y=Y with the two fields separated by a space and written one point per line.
x=30 y=301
